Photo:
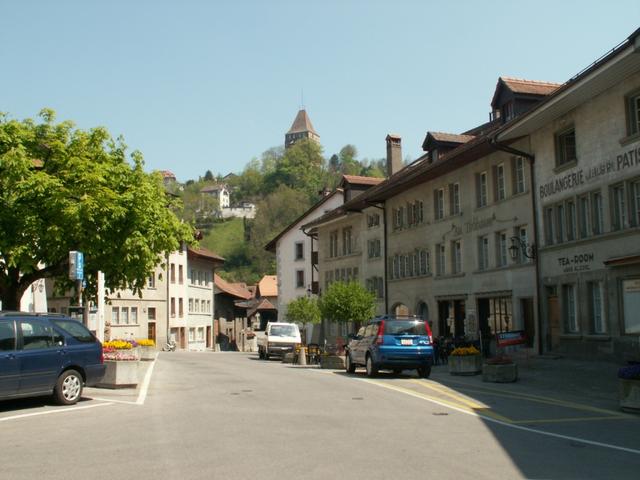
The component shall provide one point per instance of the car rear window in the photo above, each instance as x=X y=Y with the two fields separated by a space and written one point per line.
x=405 y=327
x=283 y=331
x=75 y=329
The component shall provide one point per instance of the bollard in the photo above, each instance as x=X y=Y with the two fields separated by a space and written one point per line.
x=302 y=356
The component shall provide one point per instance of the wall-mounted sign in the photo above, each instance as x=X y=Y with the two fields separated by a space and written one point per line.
x=624 y=160
x=577 y=263
x=76 y=265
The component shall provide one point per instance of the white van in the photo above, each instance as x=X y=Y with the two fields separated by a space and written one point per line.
x=278 y=339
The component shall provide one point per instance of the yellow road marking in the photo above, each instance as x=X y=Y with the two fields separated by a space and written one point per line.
x=443 y=389
x=571 y=419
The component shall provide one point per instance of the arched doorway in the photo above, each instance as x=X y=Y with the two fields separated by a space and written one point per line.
x=400 y=309
x=423 y=310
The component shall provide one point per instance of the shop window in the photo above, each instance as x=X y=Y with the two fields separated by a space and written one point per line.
x=566 y=147
x=500 y=314
x=569 y=308
x=596 y=308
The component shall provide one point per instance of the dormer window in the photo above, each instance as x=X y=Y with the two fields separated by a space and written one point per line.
x=508 y=112
x=434 y=155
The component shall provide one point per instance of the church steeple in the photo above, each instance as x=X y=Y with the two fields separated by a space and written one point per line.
x=300 y=129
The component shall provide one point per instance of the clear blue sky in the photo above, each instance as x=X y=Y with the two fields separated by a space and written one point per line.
x=208 y=85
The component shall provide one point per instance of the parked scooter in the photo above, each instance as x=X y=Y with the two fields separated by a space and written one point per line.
x=169 y=346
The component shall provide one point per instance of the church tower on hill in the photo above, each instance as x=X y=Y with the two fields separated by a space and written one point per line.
x=300 y=129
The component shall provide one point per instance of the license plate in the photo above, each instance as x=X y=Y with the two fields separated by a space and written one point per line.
x=406 y=341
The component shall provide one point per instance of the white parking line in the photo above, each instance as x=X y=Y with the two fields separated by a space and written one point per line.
x=144 y=388
x=499 y=422
x=48 y=412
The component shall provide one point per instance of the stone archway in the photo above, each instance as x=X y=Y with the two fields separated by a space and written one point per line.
x=400 y=309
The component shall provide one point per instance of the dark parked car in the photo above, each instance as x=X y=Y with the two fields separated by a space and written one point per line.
x=47 y=354
x=392 y=342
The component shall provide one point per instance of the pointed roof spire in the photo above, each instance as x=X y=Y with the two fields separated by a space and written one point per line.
x=302 y=123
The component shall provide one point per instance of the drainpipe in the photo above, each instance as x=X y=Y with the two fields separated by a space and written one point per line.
x=493 y=141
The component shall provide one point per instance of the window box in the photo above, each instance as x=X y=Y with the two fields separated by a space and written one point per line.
x=465 y=364
x=500 y=373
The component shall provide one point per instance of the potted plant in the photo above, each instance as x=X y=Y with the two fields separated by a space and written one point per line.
x=629 y=387
x=147 y=349
x=121 y=360
x=465 y=361
x=500 y=369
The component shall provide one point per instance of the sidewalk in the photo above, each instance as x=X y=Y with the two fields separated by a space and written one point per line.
x=592 y=383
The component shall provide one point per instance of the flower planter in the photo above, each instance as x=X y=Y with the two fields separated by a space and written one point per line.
x=465 y=364
x=120 y=374
x=147 y=353
x=335 y=362
x=629 y=393
x=500 y=373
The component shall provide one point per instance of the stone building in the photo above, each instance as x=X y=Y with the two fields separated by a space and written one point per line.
x=585 y=139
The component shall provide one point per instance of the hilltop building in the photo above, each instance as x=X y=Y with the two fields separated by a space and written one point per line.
x=301 y=129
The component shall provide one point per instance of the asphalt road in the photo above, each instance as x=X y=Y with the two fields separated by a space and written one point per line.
x=230 y=415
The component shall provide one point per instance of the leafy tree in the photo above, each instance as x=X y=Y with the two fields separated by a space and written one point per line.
x=304 y=310
x=208 y=176
x=63 y=189
x=347 y=302
x=300 y=168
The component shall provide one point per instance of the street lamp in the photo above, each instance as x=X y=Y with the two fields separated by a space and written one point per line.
x=518 y=244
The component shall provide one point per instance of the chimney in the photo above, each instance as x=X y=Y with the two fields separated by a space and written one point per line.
x=394 y=154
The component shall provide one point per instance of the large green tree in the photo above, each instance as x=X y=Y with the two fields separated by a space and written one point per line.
x=347 y=302
x=62 y=189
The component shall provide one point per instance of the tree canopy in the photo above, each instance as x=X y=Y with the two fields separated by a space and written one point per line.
x=62 y=189
x=303 y=310
x=347 y=302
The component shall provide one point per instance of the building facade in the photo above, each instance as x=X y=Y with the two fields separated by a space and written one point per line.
x=586 y=143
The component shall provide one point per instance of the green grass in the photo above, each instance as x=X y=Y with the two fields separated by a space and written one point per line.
x=225 y=238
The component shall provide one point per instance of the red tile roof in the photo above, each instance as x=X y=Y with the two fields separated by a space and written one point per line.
x=302 y=123
x=450 y=137
x=534 y=87
x=234 y=289
x=204 y=253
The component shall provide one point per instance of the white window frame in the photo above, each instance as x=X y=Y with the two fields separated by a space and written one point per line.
x=501 y=190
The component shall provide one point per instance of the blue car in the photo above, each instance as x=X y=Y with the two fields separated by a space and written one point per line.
x=47 y=354
x=392 y=342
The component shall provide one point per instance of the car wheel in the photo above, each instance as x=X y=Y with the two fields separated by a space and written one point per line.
x=372 y=370
x=350 y=366
x=68 y=388
x=424 y=372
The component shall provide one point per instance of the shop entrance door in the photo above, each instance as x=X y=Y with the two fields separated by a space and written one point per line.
x=459 y=315
x=553 y=311
x=151 y=331
x=526 y=307
x=443 y=316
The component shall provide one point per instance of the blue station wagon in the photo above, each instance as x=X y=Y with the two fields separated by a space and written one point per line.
x=47 y=354
x=392 y=342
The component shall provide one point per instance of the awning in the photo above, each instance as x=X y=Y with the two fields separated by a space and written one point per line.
x=622 y=261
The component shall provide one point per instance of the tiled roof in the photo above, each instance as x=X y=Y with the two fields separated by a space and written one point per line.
x=212 y=188
x=450 y=137
x=302 y=123
x=358 y=180
x=167 y=174
x=234 y=289
x=204 y=253
x=534 y=87
x=268 y=286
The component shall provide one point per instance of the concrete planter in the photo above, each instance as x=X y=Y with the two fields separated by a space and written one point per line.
x=465 y=364
x=334 y=362
x=147 y=353
x=120 y=374
x=500 y=373
x=629 y=393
